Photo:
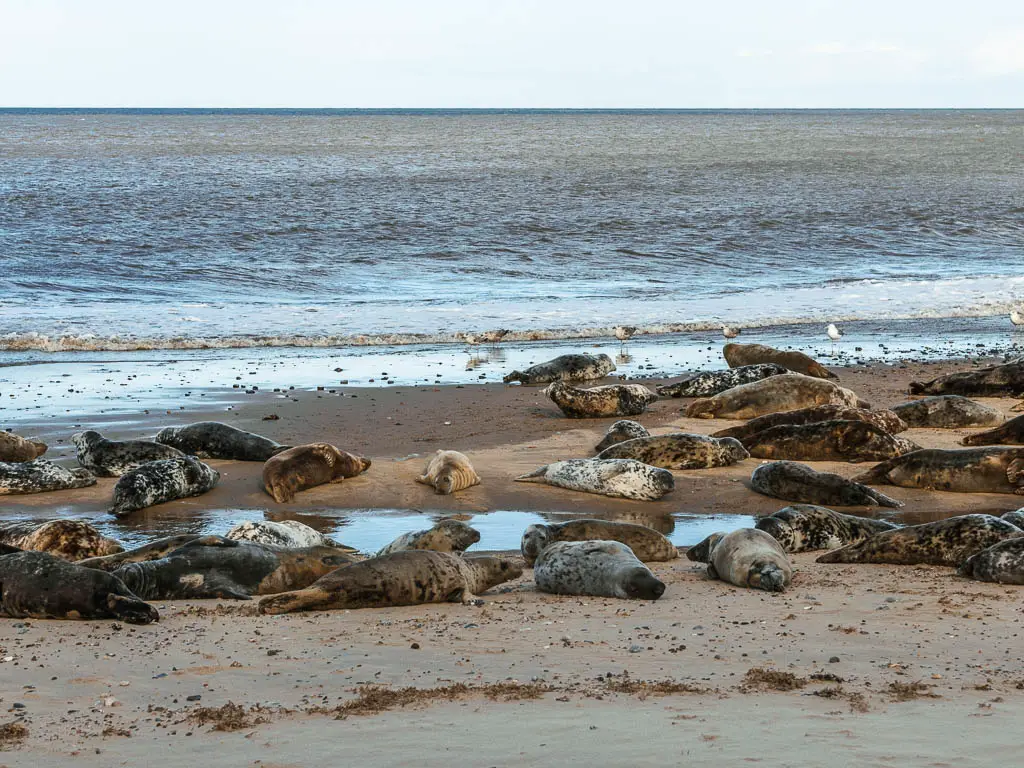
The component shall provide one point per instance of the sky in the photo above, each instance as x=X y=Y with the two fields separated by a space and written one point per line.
x=512 y=53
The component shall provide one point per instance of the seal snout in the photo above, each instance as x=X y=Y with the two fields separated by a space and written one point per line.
x=768 y=577
x=643 y=585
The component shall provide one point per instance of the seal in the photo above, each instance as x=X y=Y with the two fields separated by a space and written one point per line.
x=1002 y=563
x=646 y=543
x=945 y=542
x=412 y=577
x=624 y=478
x=1005 y=380
x=805 y=527
x=709 y=383
x=447 y=536
x=701 y=552
x=1010 y=433
x=947 y=412
x=214 y=440
x=448 y=472
x=217 y=567
x=599 y=568
x=152 y=551
x=621 y=431
x=40 y=476
x=785 y=392
x=827 y=441
x=882 y=419
x=738 y=355
x=1014 y=518
x=790 y=481
x=67 y=539
x=679 y=450
x=35 y=585
x=600 y=402
x=112 y=458
x=963 y=470
x=288 y=534
x=750 y=558
x=159 y=481
x=14 y=448
x=307 y=466
x=565 y=368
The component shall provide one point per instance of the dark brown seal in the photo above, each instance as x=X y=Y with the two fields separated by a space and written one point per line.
x=1005 y=380
x=14 y=448
x=737 y=355
x=307 y=466
x=827 y=441
x=797 y=482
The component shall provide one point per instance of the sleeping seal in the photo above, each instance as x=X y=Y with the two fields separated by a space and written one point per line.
x=448 y=535
x=600 y=402
x=963 y=470
x=882 y=419
x=565 y=368
x=412 y=577
x=213 y=440
x=600 y=568
x=947 y=412
x=1014 y=518
x=40 y=476
x=152 y=551
x=701 y=551
x=624 y=478
x=805 y=527
x=995 y=381
x=790 y=481
x=67 y=539
x=679 y=450
x=1011 y=433
x=1002 y=563
x=708 y=383
x=737 y=355
x=646 y=543
x=15 y=449
x=159 y=481
x=112 y=458
x=448 y=472
x=945 y=542
x=307 y=466
x=750 y=558
x=621 y=431
x=786 y=392
x=827 y=441
x=287 y=533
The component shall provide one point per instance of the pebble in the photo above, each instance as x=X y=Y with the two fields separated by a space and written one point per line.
x=193 y=697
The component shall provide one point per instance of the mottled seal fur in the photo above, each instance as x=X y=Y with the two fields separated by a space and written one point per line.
x=214 y=440
x=14 y=448
x=805 y=527
x=1005 y=380
x=621 y=431
x=1014 y=518
x=36 y=585
x=67 y=539
x=827 y=441
x=600 y=402
x=624 y=478
x=701 y=551
x=882 y=419
x=565 y=368
x=750 y=558
x=152 y=551
x=112 y=458
x=709 y=383
x=947 y=412
x=307 y=466
x=786 y=392
x=600 y=568
x=739 y=355
x=411 y=577
x=447 y=536
x=1010 y=433
x=790 y=481
x=646 y=543
x=286 y=533
x=40 y=476
x=1002 y=563
x=965 y=470
x=679 y=450
x=159 y=481
x=448 y=472
x=945 y=542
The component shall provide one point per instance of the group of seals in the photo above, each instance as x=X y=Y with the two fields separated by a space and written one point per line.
x=679 y=450
x=645 y=543
x=113 y=458
x=739 y=355
x=947 y=412
x=14 y=448
x=965 y=470
x=1005 y=380
x=448 y=472
x=40 y=476
x=624 y=478
x=600 y=568
x=827 y=441
x=785 y=392
x=600 y=402
x=158 y=481
x=577 y=367
x=883 y=419
x=791 y=481
x=1010 y=433
x=306 y=466
x=214 y=440
x=67 y=539
x=709 y=383
x=446 y=536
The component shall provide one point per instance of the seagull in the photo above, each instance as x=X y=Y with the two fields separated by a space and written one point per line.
x=835 y=334
x=731 y=331
x=1016 y=317
x=493 y=337
x=624 y=332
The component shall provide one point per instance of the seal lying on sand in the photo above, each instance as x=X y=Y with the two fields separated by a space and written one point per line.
x=621 y=431
x=307 y=466
x=67 y=539
x=882 y=419
x=964 y=470
x=646 y=543
x=778 y=393
x=1014 y=518
x=600 y=568
x=159 y=481
x=600 y=402
x=35 y=585
x=1002 y=563
x=947 y=412
x=827 y=441
x=112 y=458
x=737 y=355
x=448 y=472
x=40 y=476
x=797 y=482
x=679 y=450
x=1011 y=433
x=565 y=368
x=447 y=536
x=14 y=448
x=708 y=383
x=750 y=558
x=995 y=381
x=623 y=478
x=701 y=552
x=945 y=542
x=152 y=551
x=805 y=527
x=411 y=577
x=286 y=533
x=213 y=440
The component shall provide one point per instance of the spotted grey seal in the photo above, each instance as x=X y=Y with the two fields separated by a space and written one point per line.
x=307 y=466
x=621 y=431
x=805 y=527
x=214 y=440
x=565 y=368
x=14 y=448
x=1002 y=563
x=708 y=383
x=945 y=542
x=790 y=481
x=411 y=577
x=36 y=585
x=1010 y=433
x=947 y=412
x=1014 y=518
x=646 y=543
x=625 y=478
x=739 y=355
x=40 y=476
x=785 y=392
x=679 y=450
x=1005 y=380
x=159 y=481
x=600 y=402
x=827 y=441
x=67 y=539
x=882 y=419
x=152 y=551
x=447 y=536
x=286 y=533
x=112 y=458
x=600 y=568
x=750 y=558
x=701 y=551
x=448 y=472
x=993 y=469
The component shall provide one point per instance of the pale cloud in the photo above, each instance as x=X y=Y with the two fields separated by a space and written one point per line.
x=1001 y=53
x=866 y=49
x=753 y=53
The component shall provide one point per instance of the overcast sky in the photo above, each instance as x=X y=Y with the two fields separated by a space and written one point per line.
x=512 y=53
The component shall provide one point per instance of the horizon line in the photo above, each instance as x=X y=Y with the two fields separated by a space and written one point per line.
x=505 y=109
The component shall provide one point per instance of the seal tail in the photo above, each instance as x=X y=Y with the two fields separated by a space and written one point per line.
x=533 y=477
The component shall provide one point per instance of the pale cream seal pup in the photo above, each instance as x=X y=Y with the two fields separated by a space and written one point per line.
x=599 y=568
x=448 y=472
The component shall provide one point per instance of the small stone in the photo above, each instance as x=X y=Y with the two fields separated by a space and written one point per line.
x=833 y=660
x=635 y=648
x=193 y=697
x=415 y=646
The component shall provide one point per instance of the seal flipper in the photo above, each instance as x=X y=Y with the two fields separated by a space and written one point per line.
x=881 y=499
x=131 y=609
x=712 y=573
x=537 y=476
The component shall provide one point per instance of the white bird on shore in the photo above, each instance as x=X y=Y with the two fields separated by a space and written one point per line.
x=624 y=332
x=835 y=334
x=1016 y=317
x=730 y=331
